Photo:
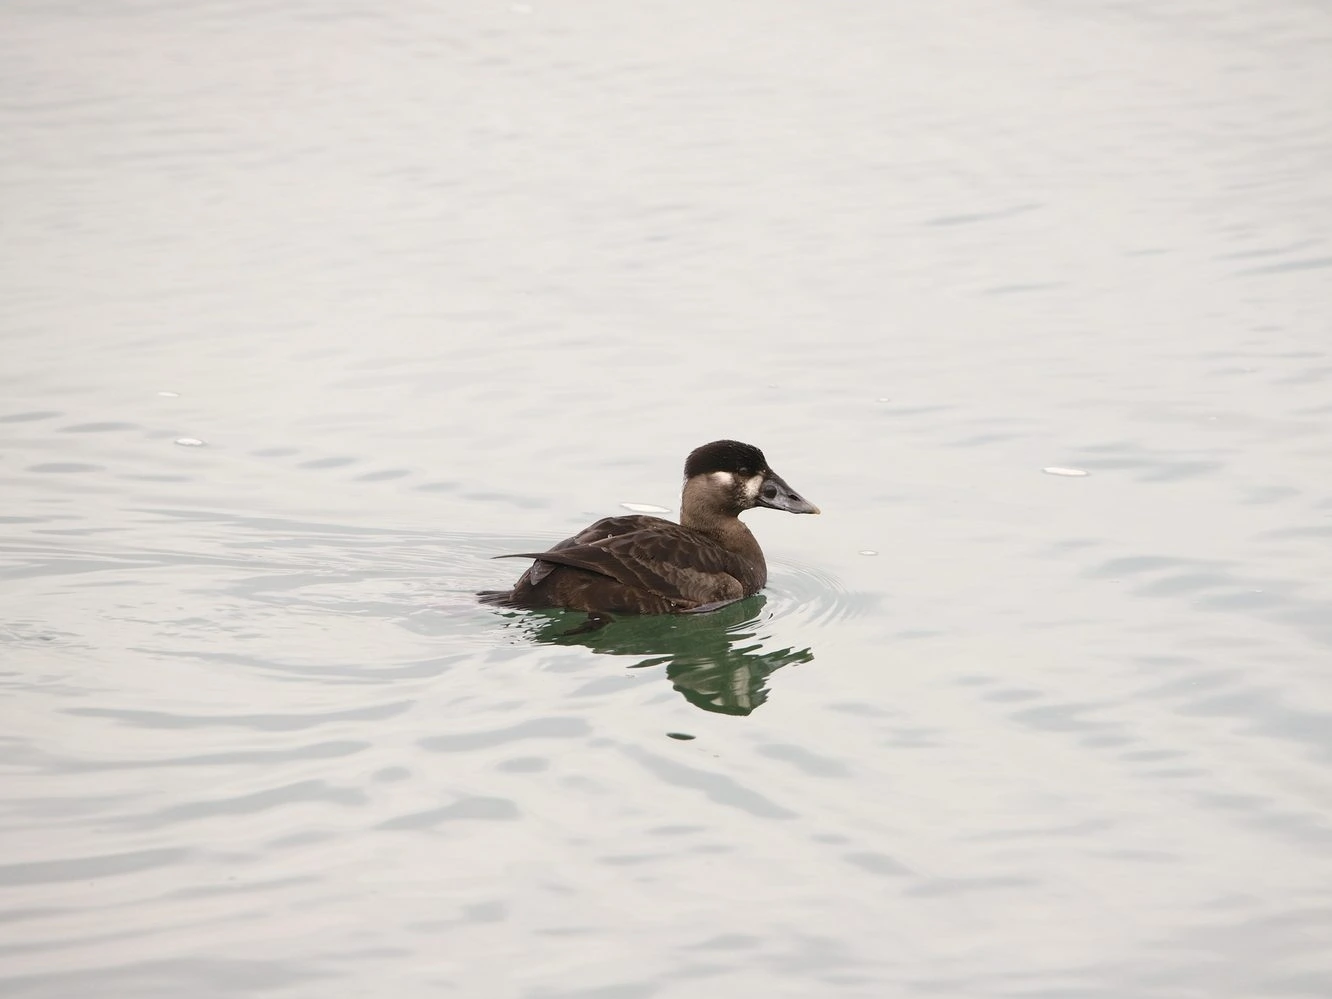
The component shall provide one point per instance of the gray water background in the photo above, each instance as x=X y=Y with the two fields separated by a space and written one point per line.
x=433 y=282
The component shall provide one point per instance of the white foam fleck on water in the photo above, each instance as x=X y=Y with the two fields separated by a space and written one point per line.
x=169 y=395
x=1071 y=472
x=645 y=508
x=190 y=442
x=868 y=551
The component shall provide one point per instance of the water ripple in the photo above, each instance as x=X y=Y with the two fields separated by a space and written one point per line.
x=258 y=723
x=104 y=865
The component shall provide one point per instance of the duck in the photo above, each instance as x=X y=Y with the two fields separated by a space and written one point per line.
x=649 y=565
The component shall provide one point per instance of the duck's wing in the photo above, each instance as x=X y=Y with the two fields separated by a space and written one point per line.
x=663 y=558
x=602 y=530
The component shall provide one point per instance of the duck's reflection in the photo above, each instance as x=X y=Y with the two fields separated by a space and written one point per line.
x=716 y=660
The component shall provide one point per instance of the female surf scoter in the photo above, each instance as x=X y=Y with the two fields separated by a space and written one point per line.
x=647 y=565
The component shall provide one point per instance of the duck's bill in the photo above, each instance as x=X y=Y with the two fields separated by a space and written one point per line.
x=777 y=495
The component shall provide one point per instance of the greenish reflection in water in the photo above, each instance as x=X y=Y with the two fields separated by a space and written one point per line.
x=716 y=660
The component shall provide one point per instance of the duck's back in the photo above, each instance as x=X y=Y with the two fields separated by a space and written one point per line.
x=635 y=565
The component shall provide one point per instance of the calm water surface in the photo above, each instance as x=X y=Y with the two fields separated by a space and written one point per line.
x=432 y=283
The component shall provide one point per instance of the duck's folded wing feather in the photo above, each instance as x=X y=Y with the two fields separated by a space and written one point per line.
x=603 y=530
x=574 y=556
x=657 y=561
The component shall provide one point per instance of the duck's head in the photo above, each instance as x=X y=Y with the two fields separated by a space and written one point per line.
x=727 y=477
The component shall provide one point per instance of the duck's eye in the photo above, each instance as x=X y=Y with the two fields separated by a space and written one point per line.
x=769 y=491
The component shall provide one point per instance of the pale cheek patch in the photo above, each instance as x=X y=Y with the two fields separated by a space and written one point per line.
x=732 y=482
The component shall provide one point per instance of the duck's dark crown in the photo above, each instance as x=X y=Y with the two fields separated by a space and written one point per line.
x=725 y=456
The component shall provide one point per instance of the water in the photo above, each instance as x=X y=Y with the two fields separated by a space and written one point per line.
x=310 y=309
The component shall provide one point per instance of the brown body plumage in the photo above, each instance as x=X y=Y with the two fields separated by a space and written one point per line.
x=647 y=565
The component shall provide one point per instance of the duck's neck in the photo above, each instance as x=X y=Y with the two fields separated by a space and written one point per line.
x=699 y=512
